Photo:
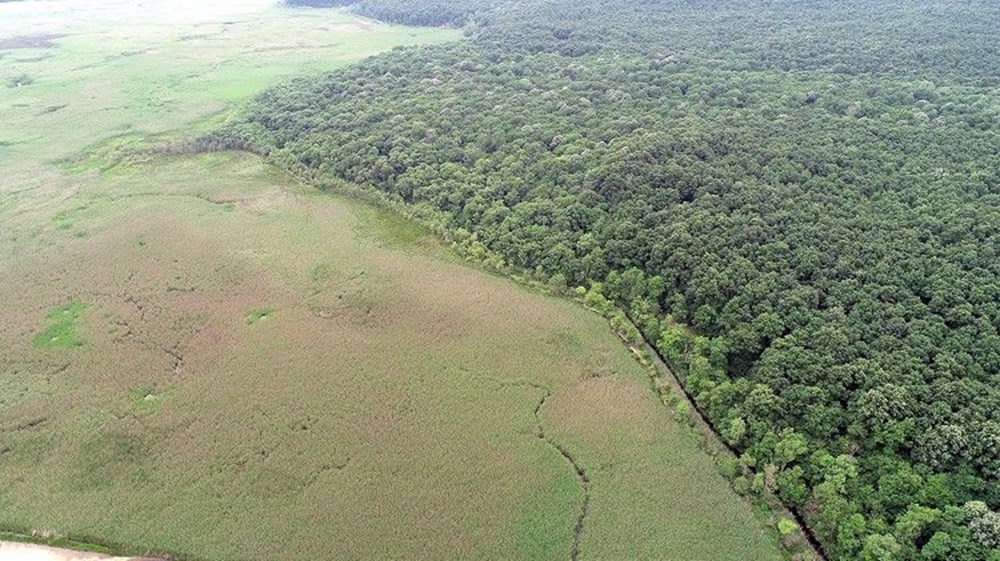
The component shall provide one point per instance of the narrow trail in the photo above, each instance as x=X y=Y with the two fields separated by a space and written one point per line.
x=583 y=478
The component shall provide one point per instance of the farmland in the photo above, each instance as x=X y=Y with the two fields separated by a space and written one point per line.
x=203 y=357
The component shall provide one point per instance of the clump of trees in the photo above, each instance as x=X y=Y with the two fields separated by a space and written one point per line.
x=798 y=206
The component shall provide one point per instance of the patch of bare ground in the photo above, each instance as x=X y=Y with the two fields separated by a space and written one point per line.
x=17 y=551
x=37 y=41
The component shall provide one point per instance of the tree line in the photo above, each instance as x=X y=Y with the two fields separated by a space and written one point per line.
x=798 y=203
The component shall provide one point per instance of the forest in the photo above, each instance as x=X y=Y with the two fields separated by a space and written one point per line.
x=797 y=202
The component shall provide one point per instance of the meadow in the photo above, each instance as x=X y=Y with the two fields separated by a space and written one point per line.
x=202 y=357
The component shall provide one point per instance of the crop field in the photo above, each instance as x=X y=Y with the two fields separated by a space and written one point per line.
x=202 y=357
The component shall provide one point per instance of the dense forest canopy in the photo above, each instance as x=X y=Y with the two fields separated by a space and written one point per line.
x=797 y=202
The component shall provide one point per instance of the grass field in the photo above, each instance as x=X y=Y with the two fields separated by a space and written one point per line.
x=200 y=356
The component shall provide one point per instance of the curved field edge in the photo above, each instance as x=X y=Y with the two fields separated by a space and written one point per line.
x=164 y=314
x=733 y=213
x=796 y=537
x=602 y=373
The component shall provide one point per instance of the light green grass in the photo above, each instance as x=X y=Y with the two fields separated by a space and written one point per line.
x=141 y=77
x=258 y=315
x=143 y=399
x=63 y=331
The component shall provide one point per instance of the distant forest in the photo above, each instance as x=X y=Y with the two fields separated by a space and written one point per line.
x=431 y=13
x=798 y=203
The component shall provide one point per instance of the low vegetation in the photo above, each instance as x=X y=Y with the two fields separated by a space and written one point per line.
x=258 y=315
x=63 y=329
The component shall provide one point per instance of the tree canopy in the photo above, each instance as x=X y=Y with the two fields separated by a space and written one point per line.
x=798 y=202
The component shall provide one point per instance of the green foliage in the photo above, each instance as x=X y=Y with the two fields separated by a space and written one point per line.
x=880 y=548
x=683 y=413
x=594 y=299
x=984 y=524
x=791 y=485
x=939 y=547
x=735 y=431
x=674 y=343
x=786 y=527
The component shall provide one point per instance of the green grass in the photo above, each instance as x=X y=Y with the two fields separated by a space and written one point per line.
x=63 y=329
x=258 y=315
x=143 y=399
x=392 y=227
x=387 y=411
x=138 y=77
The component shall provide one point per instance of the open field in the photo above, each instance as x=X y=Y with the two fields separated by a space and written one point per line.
x=112 y=67
x=200 y=356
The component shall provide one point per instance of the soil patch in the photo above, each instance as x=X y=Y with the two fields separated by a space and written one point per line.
x=14 y=551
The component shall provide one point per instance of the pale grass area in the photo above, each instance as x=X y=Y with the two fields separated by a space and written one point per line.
x=111 y=68
x=14 y=551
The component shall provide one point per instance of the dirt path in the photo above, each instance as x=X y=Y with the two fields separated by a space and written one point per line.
x=14 y=551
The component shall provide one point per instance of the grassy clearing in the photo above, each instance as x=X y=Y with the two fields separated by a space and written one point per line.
x=63 y=329
x=116 y=70
x=389 y=409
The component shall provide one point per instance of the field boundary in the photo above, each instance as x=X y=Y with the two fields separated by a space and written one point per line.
x=656 y=367
x=88 y=545
x=710 y=439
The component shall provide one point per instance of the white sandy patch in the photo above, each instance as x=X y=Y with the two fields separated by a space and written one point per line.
x=13 y=551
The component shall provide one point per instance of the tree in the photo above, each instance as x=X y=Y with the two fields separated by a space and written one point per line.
x=915 y=527
x=984 y=524
x=880 y=547
x=789 y=447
